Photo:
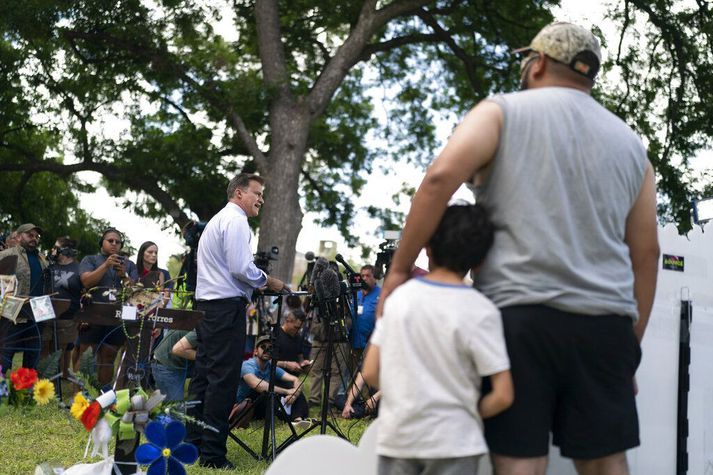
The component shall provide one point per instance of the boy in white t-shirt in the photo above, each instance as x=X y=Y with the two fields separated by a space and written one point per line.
x=436 y=339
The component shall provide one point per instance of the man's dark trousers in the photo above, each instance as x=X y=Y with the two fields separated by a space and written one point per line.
x=221 y=342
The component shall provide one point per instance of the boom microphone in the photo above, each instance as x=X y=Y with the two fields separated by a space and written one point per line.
x=309 y=256
x=319 y=266
x=341 y=260
x=330 y=284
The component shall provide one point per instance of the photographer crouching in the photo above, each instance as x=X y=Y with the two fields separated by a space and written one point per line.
x=225 y=282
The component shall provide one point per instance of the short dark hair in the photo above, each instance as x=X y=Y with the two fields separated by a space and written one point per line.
x=463 y=238
x=243 y=181
x=297 y=314
x=66 y=241
x=368 y=267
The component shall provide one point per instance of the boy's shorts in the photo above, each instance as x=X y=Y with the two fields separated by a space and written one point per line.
x=573 y=376
x=444 y=466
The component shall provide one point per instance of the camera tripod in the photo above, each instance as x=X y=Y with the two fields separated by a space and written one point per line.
x=274 y=406
x=328 y=313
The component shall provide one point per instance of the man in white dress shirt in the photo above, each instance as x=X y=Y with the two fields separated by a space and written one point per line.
x=226 y=279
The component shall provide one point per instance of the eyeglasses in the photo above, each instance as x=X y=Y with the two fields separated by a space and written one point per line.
x=265 y=347
x=33 y=235
x=113 y=241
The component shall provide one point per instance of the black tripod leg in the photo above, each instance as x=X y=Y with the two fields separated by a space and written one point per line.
x=327 y=379
x=242 y=444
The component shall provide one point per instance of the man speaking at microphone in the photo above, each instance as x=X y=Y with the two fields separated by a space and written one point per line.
x=226 y=279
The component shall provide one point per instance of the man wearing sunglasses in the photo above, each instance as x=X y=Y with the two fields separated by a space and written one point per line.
x=102 y=272
x=573 y=268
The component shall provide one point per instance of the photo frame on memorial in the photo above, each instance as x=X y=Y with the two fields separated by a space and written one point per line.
x=11 y=307
x=42 y=308
x=8 y=284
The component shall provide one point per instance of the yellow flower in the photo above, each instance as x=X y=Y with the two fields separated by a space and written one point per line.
x=43 y=391
x=78 y=406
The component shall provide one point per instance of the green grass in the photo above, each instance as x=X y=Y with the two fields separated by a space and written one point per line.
x=49 y=434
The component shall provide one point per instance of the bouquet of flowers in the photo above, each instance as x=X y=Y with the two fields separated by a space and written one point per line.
x=25 y=389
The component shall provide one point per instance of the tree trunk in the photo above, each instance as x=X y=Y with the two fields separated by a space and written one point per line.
x=281 y=219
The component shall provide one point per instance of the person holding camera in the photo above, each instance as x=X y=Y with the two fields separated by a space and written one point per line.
x=225 y=282
x=99 y=272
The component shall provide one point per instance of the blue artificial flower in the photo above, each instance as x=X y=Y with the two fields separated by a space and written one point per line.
x=165 y=453
x=4 y=391
x=164 y=419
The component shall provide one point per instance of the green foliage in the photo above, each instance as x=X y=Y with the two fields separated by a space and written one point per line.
x=159 y=102
x=168 y=74
x=49 y=365
x=665 y=63
x=48 y=201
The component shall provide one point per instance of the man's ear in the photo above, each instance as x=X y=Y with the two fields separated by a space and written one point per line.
x=539 y=66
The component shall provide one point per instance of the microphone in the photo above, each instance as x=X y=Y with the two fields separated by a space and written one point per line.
x=319 y=289
x=309 y=256
x=330 y=284
x=343 y=262
x=319 y=266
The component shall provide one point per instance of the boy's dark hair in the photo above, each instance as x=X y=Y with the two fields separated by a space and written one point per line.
x=463 y=238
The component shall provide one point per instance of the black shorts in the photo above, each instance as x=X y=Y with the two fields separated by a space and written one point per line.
x=573 y=376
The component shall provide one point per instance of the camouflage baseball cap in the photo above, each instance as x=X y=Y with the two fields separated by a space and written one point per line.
x=27 y=227
x=569 y=44
x=262 y=339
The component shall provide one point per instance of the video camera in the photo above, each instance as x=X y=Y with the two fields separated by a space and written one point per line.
x=263 y=258
x=192 y=233
x=386 y=253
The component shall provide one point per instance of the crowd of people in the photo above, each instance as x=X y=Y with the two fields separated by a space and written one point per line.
x=563 y=251
x=61 y=274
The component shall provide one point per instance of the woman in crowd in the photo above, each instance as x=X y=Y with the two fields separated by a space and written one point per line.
x=147 y=261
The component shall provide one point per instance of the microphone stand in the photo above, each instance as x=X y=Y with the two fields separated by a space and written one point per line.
x=270 y=449
x=327 y=312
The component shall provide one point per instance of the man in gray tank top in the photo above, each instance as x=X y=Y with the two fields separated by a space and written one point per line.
x=573 y=268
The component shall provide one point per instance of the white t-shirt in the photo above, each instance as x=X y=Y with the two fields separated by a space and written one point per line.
x=436 y=341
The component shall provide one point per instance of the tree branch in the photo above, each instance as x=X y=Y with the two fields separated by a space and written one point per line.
x=162 y=60
x=467 y=61
x=350 y=52
x=320 y=192
x=247 y=139
x=397 y=42
x=110 y=172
